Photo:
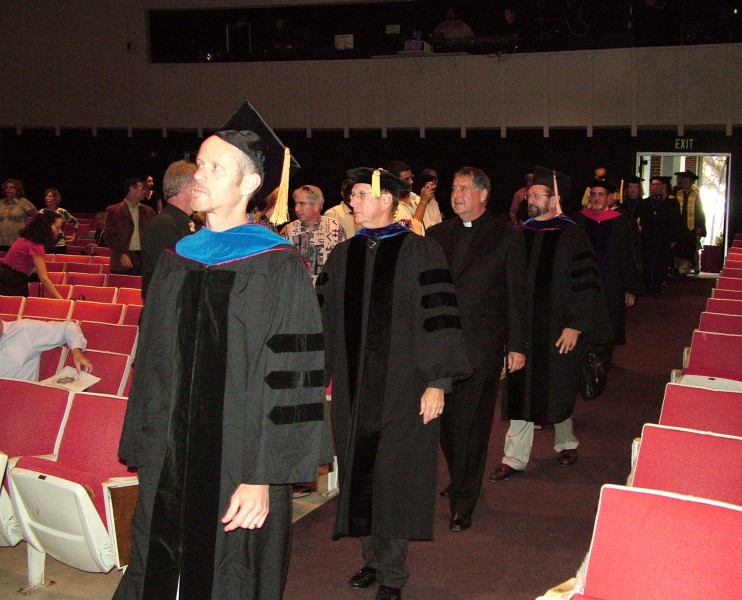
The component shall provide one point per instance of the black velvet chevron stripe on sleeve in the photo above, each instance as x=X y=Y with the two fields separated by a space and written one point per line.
x=585 y=285
x=434 y=276
x=442 y=322
x=296 y=342
x=289 y=380
x=584 y=271
x=303 y=413
x=439 y=299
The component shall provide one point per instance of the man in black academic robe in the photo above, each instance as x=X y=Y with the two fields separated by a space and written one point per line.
x=227 y=408
x=393 y=344
x=564 y=312
x=693 y=221
x=173 y=223
x=612 y=238
x=659 y=222
x=488 y=264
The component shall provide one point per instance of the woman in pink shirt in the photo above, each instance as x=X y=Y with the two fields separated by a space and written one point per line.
x=27 y=254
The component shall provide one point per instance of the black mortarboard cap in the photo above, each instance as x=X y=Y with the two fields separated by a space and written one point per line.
x=269 y=152
x=634 y=179
x=385 y=180
x=553 y=179
x=690 y=174
x=604 y=183
x=666 y=179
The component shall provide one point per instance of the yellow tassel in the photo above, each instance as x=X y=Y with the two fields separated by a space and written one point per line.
x=620 y=193
x=281 y=211
x=376 y=183
x=556 y=187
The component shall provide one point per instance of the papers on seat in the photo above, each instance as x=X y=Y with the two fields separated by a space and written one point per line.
x=69 y=379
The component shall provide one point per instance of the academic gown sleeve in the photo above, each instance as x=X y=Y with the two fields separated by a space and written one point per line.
x=286 y=432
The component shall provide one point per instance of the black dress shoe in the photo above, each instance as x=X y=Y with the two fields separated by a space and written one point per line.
x=388 y=593
x=446 y=492
x=363 y=579
x=459 y=522
x=503 y=472
x=568 y=457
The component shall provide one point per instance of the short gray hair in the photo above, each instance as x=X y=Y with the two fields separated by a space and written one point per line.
x=313 y=194
x=178 y=175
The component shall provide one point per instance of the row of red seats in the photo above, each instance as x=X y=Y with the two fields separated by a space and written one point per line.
x=75 y=277
x=74 y=289
x=62 y=483
x=18 y=307
x=674 y=533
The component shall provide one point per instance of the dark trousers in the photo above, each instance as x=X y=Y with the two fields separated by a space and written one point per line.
x=389 y=557
x=465 y=430
x=136 y=264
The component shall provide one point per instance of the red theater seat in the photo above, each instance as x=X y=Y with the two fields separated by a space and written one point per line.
x=704 y=409
x=64 y=508
x=47 y=308
x=130 y=296
x=721 y=323
x=657 y=545
x=125 y=281
x=132 y=314
x=94 y=293
x=84 y=268
x=113 y=369
x=103 y=312
x=86 y=278
x=727 y=307
x=716 y=355
x=107 y=337
x=668 y=455
x=71 y=258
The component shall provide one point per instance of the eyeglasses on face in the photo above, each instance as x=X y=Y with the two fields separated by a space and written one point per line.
x=536 y=195
x=361 y=195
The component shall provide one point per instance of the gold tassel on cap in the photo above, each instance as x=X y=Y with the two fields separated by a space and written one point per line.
x=556 y=187
x=281 y=211
x=376 y=183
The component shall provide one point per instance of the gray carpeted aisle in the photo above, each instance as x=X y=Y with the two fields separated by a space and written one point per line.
x=531 y=532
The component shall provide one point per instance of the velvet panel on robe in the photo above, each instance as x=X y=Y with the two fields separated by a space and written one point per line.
x=612 y=241
x=563 y=290
x=391 y=329
x=230 y=392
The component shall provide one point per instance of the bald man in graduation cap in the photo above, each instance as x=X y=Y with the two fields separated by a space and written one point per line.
x=227 y=408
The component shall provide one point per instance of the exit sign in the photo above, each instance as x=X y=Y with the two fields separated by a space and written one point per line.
x=683 y=143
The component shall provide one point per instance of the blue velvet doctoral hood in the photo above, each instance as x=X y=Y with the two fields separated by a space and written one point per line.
x=218 y=247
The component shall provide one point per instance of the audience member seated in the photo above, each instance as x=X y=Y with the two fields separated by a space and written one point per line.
x=454 y=28
x=14 y=209
x=22 y=342
x=52 y=199
x=27 y=254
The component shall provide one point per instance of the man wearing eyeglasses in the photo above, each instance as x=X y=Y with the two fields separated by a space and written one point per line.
x=313 y=234
x=488 y=264
x=393 y=345
x=564 y=311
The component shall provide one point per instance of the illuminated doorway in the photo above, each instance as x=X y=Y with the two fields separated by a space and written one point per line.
x=712 y=184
